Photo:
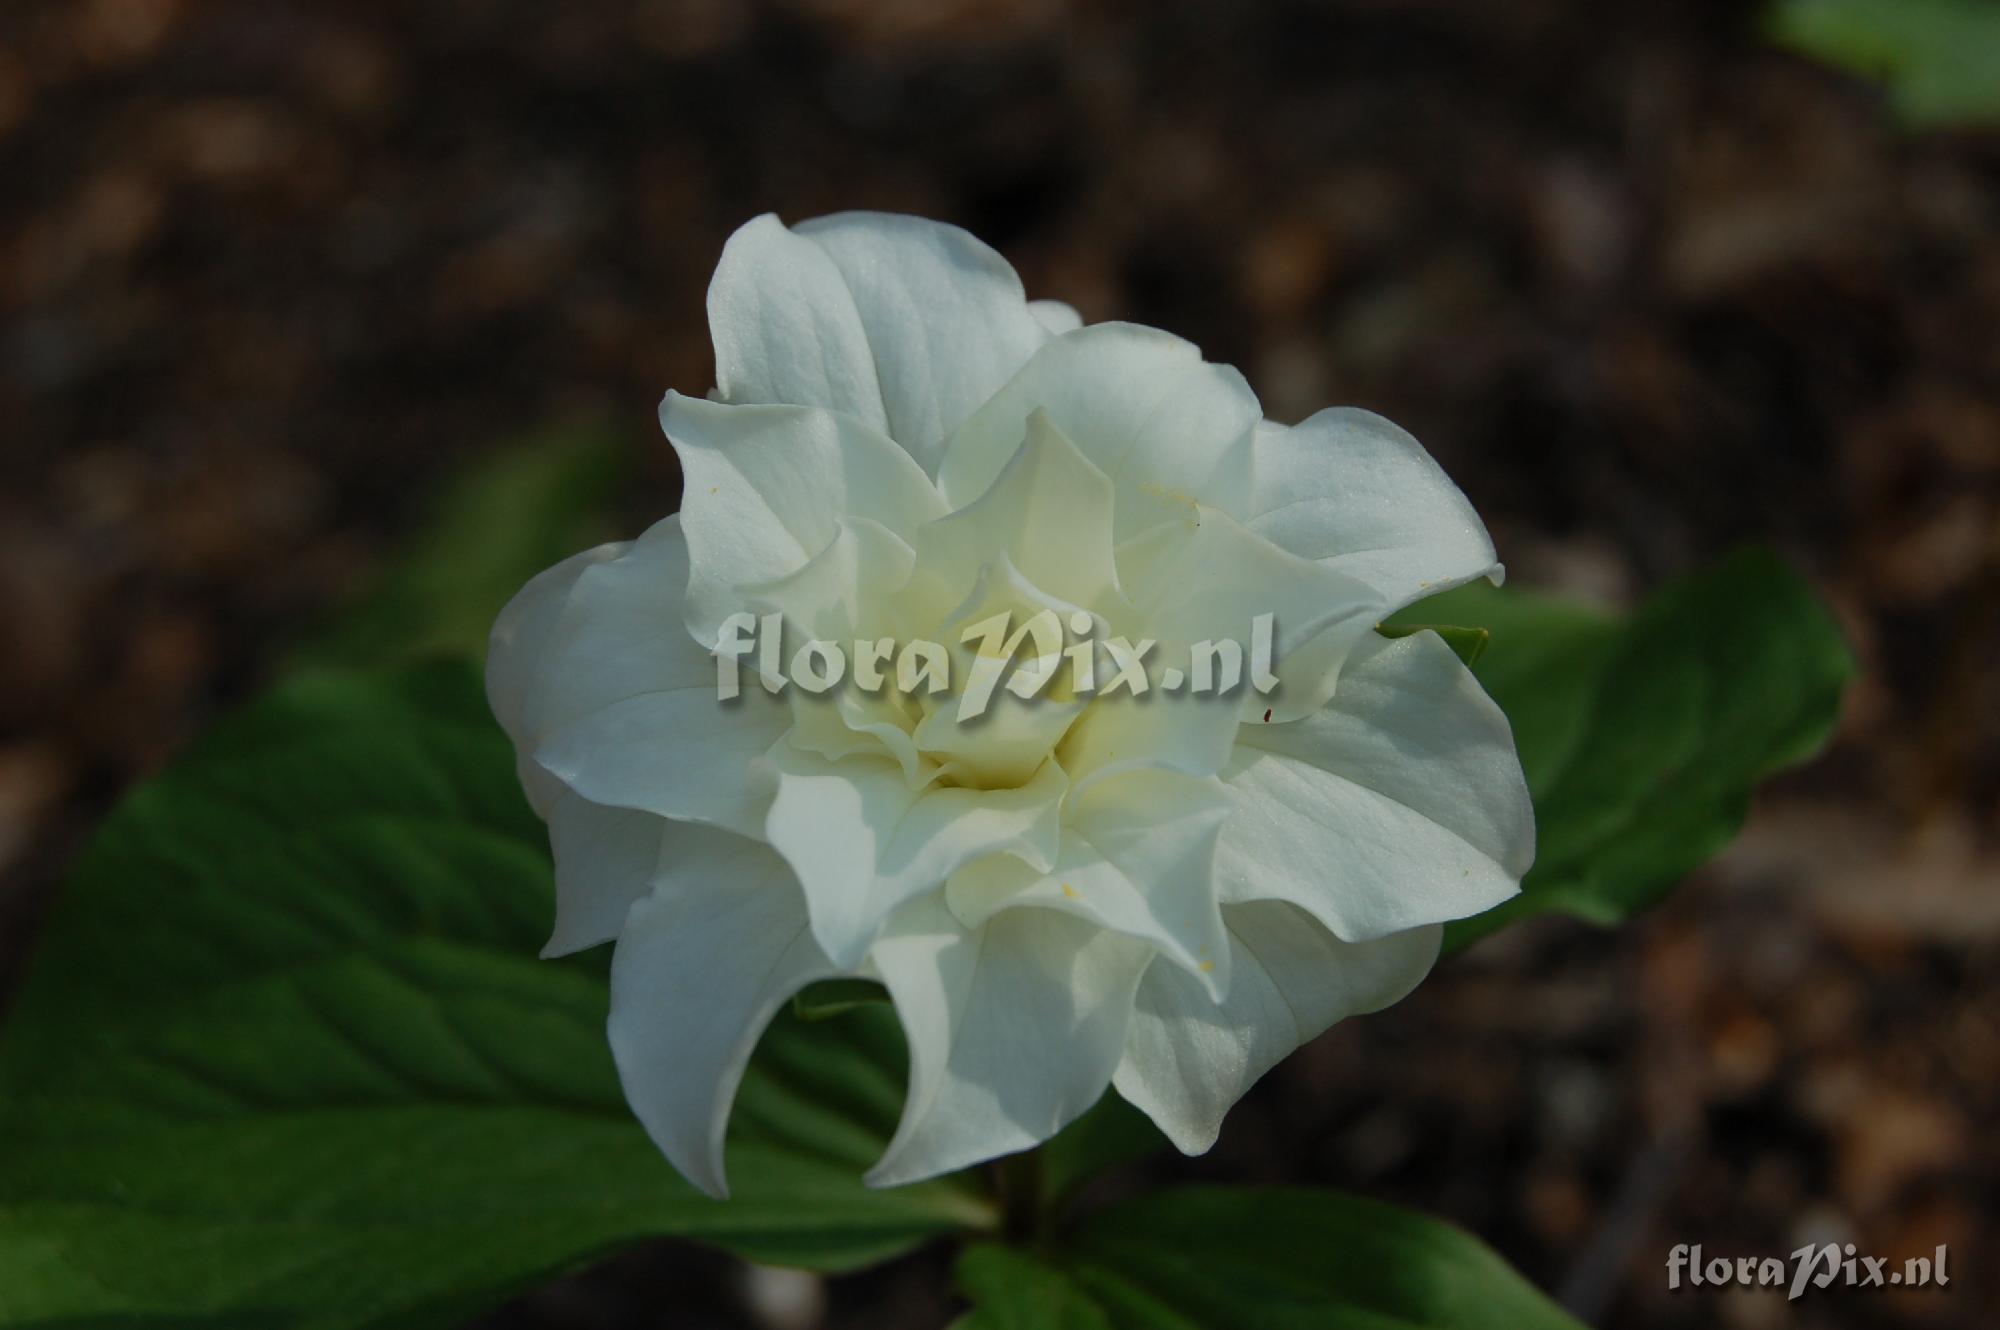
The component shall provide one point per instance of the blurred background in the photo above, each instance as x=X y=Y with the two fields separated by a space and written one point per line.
x=1647 y=283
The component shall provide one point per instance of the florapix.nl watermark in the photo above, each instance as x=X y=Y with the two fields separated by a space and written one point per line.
x=1812 y=1266
x=1030 y=657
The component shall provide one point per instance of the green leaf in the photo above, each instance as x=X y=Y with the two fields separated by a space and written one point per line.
x=1468 y=643
x=1940 y=59
x=495 y=526
x=1012 y=1290
x=1643 y=737
x=1213 y=1258
x=286 y=1057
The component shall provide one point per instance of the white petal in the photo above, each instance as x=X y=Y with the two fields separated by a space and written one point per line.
x=841 y=596
x=606 y=859
x=1167 y=427
x=1119 y=735
x=862 y=841
x=767 y=487
x=845 y=590
x=1049 y=511
x=1400 y=804
x=517 y=653
x=944 y=315
x=1355 y=492
x=678 y=752
x=700 y=969
x=1014 y=1029
x=1056 y=316
x=1206 y=577
x=1189 y=1058
x=625 y=710
x=1008 y=741
x=1137 y=857
x=786 y=328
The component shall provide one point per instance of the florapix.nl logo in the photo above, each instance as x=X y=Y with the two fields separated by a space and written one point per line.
x=1817 y=1266
x=1048 y=651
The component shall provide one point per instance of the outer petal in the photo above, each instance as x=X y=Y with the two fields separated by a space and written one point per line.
x=1056 y=316
x=1402 y=803
x=944 y=315
x=1137 y=857
x=863 y=841
x=767 y=487
x=701 y=967
x=623 y=707
x=1014 y=1030
x=1356 y=493
x=786 y=327
x=1188 y=1058
x=1167 y=427
x=516 y=652
x=606 y=859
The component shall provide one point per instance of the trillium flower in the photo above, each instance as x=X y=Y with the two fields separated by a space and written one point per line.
x=1165 y=893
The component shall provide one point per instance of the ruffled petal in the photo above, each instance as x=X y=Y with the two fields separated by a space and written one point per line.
x=863 y=841
x=1400 y=804
x=1137 y=857
x=786 y=327
x=517 y=650
x=702 y=966
x=1355 y=492
x=1049 y=512
x=1001 y=738
x=767 y=487
x=1168 y=428
x=842 y=597
x=1188 y=1057
x=1014 y=1030
x=846 y=590
x=944 y=315
x=606 y=859
x=1205 y=577
x=624 y=706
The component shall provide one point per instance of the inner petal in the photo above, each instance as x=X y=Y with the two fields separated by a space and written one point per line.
x=1008 y=637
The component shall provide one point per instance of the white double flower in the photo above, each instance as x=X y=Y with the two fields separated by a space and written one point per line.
x=1166 y=894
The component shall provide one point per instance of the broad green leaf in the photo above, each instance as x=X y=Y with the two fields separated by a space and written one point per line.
x=1643 y=737
x=495 y=526
x=1213 y=1258
x=286 y=1057
x=1940 y=59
